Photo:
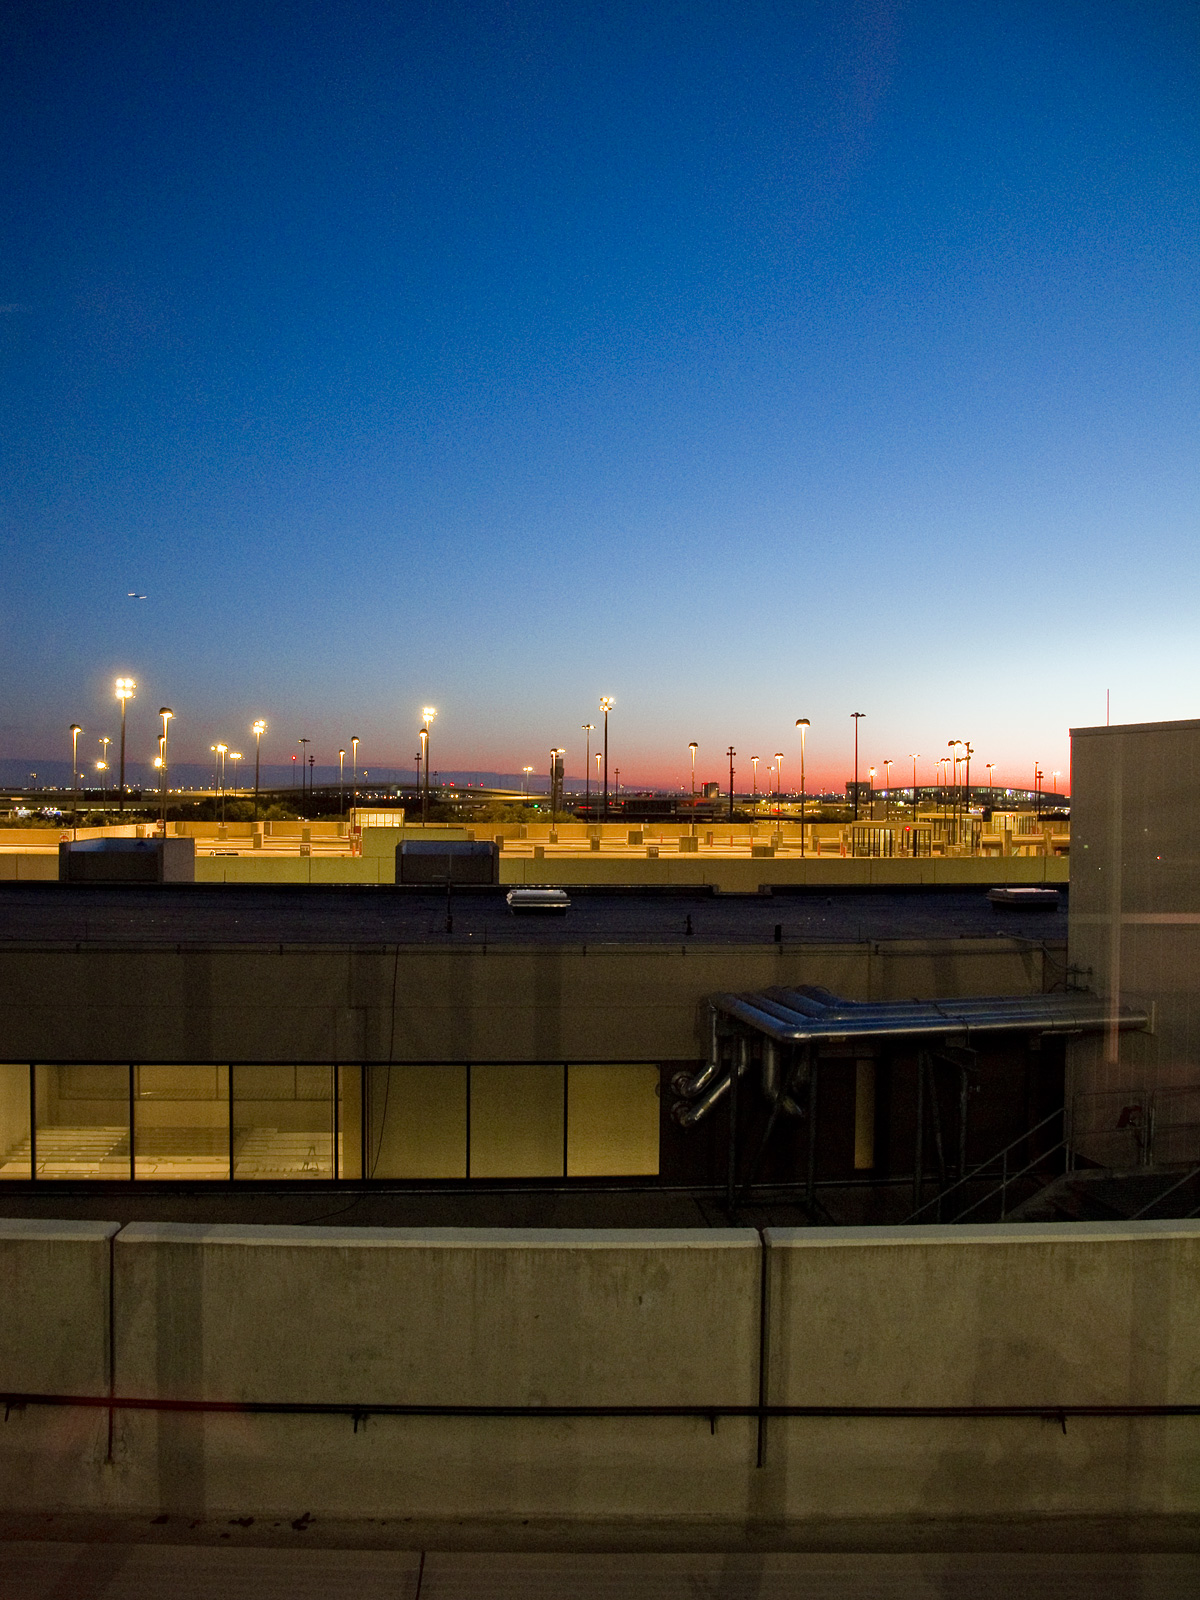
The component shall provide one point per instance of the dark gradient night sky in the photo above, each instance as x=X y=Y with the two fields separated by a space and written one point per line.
x=741 y=362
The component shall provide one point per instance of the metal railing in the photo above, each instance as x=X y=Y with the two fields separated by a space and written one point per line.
x=1007 y=1178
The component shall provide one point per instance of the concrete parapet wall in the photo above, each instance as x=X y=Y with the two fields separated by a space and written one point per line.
x=1041 y=1316
x=994 y=1315
x=458 y=1316
x=29 y=866
x=54 y=1281
x=745 y=875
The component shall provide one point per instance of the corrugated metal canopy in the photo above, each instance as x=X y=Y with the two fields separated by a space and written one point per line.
x=804 y=1015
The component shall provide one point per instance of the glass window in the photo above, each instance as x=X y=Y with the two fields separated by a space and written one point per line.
x=282 y=1121
x=417 y=1118
x=517 y=1122
x=82 y=1121
x=181 y=1122
x=612 y=1121
x=15 y=1152
x=350 y=1143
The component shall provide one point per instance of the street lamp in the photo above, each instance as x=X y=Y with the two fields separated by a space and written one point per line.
x=871 y=781
x=235 y=756
x=731 y=752
x=427 y=715
x=304 y=744
x=102 y=764
x=525 y=781
x=258 y=729
x=803 y=724
x=125 y=691
x=220 y=750
x=588 y=729
x=991 y=780
x=354 y=772
x=692 y=748
x=858 y=716
x=956 y=745
x=606 y=706
x=76 y=730
x=341 y=783
x=166 y=714
x=887 y=788
x=754 y=781
x=779 y=783
x=914 y=756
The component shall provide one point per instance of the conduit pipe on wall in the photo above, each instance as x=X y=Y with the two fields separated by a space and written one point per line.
x=699 y=1092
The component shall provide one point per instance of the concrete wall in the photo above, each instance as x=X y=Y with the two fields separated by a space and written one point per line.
x=54 y=1338
x=461 y=1003
x=1134 y=929
x=1034 y=1315
x=1073 y=1314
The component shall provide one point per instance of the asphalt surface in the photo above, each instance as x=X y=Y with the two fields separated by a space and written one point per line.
x=108 y=1571
x=295 y=914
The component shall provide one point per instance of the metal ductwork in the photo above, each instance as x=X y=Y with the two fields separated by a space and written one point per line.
x=784 y=1019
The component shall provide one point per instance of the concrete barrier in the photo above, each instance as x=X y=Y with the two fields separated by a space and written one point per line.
x=437 y=1316
x=1019 y=1315
x=54 y=1339
x=454 y=1316
x=1032 y=1316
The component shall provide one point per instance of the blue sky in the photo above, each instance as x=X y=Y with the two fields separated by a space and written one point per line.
x=743 y=363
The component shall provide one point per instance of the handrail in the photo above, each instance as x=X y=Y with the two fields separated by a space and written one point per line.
x=1001 y=1187
x=359 y=1413
x=1159 y=1198
x=1000 y=1155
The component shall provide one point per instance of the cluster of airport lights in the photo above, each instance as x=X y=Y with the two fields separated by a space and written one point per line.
x=961 y=752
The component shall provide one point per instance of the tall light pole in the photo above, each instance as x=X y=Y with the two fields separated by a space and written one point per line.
x=969 y=751
x=341 y=783
x=991 y=781
x=427 y=715
x=354 y=772
x=858 y=716
x=754 y=779
x=779 y=783
x=125 y=691
x=102 y=764
x=606 y=706
x=525 y=781
x=731 y=752
x=588 y=729
x=257 y=730
x=692 y=748
x=76 y=730
x=235 y=756
x=887 y=789
x=803 y=724
x=166 y=714
x=871 y=785
x=219 y=750
x=304 y=744
x=914 y=756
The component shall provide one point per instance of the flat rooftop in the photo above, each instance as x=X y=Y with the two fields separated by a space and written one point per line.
x=226 y=914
